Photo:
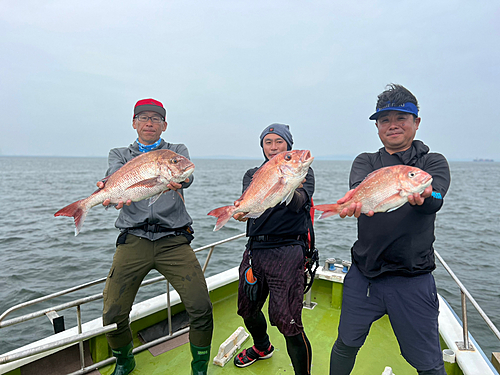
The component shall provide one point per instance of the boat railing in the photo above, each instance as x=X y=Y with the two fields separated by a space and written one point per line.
x=51 y=313
x=464 y=296
x=79 y=338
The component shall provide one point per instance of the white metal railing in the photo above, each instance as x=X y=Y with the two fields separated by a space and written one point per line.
x=81 y=337
x=465 y=293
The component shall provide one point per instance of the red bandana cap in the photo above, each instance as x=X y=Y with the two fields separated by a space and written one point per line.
x=150 y=105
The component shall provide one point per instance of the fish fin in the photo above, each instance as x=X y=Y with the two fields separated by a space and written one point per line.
x=276 y=188
x=223 y=214
x=104 y=180
x=154 y=198
x=289 y=197
x=78 y=210
x=253 y=215
x=327 y=209
x=395 y=208
x=149 y=183
x=350 y=194
x=389 y=201
x=258 y=173
x=180 y=195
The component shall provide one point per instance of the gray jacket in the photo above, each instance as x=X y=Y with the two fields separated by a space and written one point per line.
x=169 y=210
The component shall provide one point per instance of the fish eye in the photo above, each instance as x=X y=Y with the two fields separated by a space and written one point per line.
x=288 y=157
x=412 y=174
x=174 y=160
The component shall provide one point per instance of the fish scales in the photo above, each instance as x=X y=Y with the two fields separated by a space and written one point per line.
x=274 y=183
x=383 y=190
x=145 y=176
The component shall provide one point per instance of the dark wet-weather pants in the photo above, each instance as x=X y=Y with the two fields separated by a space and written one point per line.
x=413 y=308
x=174 y=258
x=280 y=275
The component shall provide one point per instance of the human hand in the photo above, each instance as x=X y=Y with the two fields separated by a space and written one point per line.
x=175 y=185
x=107 y=202
x=302 y=184
x=418 y=199
x=353 y=209
x=120 y=204
x=239 y=215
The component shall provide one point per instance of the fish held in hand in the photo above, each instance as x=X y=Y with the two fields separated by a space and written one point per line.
x=385 y=189
x=274 y=183
x=145 y=176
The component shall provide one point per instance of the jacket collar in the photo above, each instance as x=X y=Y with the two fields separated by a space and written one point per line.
x=409 y=156
x=134 y=148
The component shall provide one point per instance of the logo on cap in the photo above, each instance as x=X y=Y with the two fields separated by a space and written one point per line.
x=271 y=129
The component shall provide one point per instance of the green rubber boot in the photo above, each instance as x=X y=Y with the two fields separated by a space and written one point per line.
x=125 y=361
x=201 y=357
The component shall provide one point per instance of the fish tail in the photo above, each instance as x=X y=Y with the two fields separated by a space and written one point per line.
x=328 y=210
x=223 y=214
x=78 y=210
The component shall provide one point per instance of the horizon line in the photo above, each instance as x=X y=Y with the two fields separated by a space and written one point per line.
x=231 y=157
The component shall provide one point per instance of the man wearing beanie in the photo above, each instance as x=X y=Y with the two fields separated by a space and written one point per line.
x=275 y=251
x=159 y=237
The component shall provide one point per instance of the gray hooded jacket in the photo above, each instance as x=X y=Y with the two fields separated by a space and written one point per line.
x=169 y=211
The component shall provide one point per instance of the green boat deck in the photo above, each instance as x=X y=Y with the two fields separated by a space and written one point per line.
x=381 y=348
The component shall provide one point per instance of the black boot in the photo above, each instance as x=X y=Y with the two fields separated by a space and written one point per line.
x=201 y=357
x=125 y=361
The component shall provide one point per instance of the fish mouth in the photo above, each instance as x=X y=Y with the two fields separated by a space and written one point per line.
x=427 y=181
x=189 y=169
x=187 y=172
x=306 y=157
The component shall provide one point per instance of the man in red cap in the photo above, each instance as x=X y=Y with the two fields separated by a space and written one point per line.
x=159 y=237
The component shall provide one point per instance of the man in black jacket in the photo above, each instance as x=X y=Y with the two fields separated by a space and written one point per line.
x=275 y=250
x=393 y=257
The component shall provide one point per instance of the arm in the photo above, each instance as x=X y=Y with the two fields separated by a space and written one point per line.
x=115 y=162
x=361 y=167
x=181 y=149
x=303 y=193
x=431 y=200
x=247 y=180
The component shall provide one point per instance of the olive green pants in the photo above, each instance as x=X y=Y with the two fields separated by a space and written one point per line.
x=174 y=258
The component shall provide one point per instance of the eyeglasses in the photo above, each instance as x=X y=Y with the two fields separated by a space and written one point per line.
x=154 y=119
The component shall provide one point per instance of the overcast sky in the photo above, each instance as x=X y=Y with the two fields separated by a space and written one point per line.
x=71 y=72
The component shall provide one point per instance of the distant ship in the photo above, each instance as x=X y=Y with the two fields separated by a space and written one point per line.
x=484 y=160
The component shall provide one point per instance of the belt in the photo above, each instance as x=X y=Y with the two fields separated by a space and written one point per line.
x=156 y=228
x=271 y=238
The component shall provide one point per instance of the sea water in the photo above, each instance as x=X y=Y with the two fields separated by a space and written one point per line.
x=40 y=254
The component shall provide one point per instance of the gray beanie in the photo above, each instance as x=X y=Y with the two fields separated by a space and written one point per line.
x=280 y=129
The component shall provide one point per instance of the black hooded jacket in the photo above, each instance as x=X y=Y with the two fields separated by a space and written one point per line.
x=282 y=220
x=399 y=242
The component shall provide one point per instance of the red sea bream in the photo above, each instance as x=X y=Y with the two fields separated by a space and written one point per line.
x=274 y=183
x=385 y=189
x=145 y=176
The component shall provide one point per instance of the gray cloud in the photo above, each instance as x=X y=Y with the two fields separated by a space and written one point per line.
x=72 y=72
